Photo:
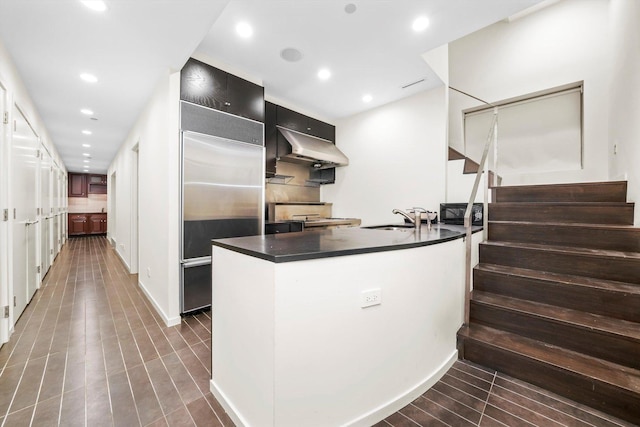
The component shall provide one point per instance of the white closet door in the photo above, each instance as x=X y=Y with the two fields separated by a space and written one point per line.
x=24 y=197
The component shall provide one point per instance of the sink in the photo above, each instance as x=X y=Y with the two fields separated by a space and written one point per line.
x=392 y=227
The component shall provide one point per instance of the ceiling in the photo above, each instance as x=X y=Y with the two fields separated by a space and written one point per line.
x=372 y=50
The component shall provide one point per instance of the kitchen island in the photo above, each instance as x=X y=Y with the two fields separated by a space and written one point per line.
x=335 y=327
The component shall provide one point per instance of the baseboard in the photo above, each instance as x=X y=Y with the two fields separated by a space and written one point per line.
x=403 y=400
x=229 y=408
x=126 y=264
x=365 y=420
x=169 y=321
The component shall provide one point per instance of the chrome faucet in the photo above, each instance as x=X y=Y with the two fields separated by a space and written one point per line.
x=417 y=219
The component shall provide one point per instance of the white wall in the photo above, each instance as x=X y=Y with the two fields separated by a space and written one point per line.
x=157 y=135
x=624 y=109
x=564 y=43
x=397 y=155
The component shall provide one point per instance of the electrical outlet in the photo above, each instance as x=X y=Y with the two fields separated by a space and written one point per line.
x=149 y=272
x=370 y=297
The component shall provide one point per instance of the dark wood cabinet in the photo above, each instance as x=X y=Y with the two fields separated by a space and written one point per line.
x=276 y=145
x=87 y=223
x=77 y=224
x=97 y=224
x=82 y=184
x=97 y=184
x=211 y=87
x=77 y=185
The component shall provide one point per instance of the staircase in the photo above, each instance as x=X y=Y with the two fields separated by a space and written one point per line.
x=556 y=299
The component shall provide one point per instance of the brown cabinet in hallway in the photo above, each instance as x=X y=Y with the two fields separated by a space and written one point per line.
x=82 y=184
x=77 y=185
x=83 y=224
x=97 y=223
x=77 y=224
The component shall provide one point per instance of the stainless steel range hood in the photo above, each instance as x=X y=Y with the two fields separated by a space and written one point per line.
x=319 y=153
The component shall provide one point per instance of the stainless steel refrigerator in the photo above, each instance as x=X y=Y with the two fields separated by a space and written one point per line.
x=222 y=191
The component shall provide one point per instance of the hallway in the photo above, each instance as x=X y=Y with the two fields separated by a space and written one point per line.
x=89 y=350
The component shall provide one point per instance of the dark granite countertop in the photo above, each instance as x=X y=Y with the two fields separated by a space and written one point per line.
x=313 y=244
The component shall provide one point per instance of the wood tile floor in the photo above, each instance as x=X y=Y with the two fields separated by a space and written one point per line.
x=89 y=350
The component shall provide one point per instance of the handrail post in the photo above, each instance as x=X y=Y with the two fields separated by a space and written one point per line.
x=482 y=168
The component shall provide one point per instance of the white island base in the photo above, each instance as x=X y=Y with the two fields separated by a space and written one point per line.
x=293 y=347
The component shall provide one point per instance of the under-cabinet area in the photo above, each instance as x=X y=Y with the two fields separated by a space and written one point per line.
x=81 y=224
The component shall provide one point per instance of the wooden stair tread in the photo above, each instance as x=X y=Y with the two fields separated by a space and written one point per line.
x=566 y=185
x=583 y=281
x=567 y=249
x=561 y=204
x=609 y=191
x=455 y=154
x=604 y=371
x=580 y=225
x=593 y=322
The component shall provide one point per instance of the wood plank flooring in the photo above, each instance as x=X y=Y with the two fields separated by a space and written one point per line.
x=89 y=350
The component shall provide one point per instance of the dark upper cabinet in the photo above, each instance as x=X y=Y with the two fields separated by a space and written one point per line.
x=245 y=99
x=211 y=87
x=82 y=184
x=295 y=121
x=270 y=139
x=321 y=129
x=77 y=185
x=291 y=119
x=97 y=184
x=276 y=145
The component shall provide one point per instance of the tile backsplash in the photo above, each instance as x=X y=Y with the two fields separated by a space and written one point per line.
x=92 y=204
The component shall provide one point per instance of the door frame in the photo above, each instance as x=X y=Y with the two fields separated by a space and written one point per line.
x=5 y=323
x=133 y=265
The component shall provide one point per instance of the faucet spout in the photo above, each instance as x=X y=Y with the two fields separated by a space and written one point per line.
x=404 y=214
x=417 y=219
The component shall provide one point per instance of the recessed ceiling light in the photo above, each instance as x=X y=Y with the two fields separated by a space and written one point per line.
x=86 y=154
x=86 y=145
x=420 y=23
x=86 y=132
x=86 y=161
x=86 y=111
x=244 y=30
x=97 y=5
x=89 y=78
x=324 y=74
x=367 y=98
x=291 y=54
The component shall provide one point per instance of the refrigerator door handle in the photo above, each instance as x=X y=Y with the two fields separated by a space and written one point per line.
x=196 y=262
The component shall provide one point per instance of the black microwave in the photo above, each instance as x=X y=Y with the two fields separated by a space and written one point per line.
x=453 y=213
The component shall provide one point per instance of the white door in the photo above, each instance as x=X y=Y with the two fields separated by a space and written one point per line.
x=23 y=202
x=4 y=203
x=46 y=215
x=56 y=211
